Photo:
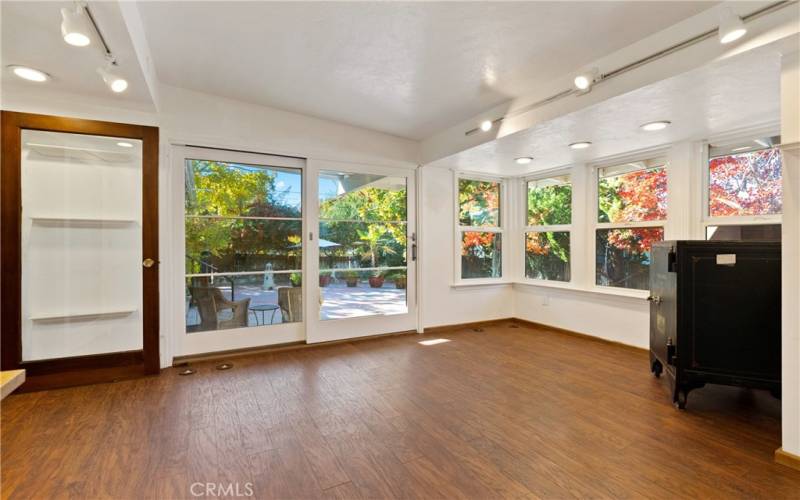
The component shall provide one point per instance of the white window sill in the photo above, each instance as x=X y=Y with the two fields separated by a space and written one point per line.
x=480 y=283
x=602 y=290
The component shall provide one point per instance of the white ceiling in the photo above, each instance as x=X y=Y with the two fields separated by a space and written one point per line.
x=31 y=36
x=409 y=69
x=726 y=96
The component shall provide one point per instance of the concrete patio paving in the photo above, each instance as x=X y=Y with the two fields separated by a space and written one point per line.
x=338 y=301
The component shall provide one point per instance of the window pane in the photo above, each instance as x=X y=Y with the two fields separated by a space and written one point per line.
x=361 y=244
x=547 y=256
x=478 y=203
x=242 y=219
x=363 y=237
x=361 y=197
x=634 y=192
x=550 y=201
x=623 y=256
x=235 y=189
x=227 y=302
x=480 y=255
x=222 y=245
x=746 y=232
x=745 y=184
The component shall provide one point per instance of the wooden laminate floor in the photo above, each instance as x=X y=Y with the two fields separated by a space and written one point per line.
x=507 y=412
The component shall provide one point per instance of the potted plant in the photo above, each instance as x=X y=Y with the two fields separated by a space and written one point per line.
x=351 y=278
x=296 y=279
x=324 y=278
x=400 y=281
x=376 y=280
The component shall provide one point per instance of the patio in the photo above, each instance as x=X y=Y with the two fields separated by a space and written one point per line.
x=338 y=301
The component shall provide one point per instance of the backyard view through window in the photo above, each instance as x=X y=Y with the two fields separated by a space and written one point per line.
x=745 y=184
x=363 y=241
x=480 y=232
x=547 y=236
x=632 y=208
x=243 y=245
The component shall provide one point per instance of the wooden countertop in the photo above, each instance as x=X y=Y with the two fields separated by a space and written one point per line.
x=10 y=380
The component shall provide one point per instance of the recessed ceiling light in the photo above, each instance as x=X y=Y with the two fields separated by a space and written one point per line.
x=115 y=82
x=731 y=27
x=653 y=126
x=74 y=27
x=31 y=74
x=523 y=160
x=125 y=144
x=486 y=125
x=580 y=145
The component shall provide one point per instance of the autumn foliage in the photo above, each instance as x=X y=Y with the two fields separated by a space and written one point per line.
x=745 y=184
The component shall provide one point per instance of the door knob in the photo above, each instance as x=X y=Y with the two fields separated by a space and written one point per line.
x=148 y=263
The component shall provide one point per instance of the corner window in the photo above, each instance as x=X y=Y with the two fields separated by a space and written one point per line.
x=480 y=230
x=631 y=213
x=548 y=227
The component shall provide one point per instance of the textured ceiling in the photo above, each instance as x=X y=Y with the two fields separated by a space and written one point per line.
x=726 y=96
x=409 y=69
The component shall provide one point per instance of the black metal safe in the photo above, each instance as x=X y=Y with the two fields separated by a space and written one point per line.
x=715 y=314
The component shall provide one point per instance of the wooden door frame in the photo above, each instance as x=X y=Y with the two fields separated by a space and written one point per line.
x=77 y=370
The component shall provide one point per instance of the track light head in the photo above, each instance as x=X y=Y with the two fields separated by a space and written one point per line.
x=115 y=82
x=74 y=26
x=486 y=125
x=584 y=81
x=731 y=27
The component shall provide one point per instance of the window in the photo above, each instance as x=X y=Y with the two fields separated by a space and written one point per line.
x=744 y=192
x=548 y=225
x=480 y=230
x=631 y=212
x=363 y=241
x=243 y=244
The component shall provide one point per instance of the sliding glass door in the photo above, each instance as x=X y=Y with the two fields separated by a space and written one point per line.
x=363 y=252
x=242 y=222
x=275 y=250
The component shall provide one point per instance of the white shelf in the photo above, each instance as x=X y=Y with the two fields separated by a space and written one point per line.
x=80 y=315
x=68 y=220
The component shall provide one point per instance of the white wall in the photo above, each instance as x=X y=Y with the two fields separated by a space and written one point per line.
x=620 y=319
x=790 y=139
x=442 y=303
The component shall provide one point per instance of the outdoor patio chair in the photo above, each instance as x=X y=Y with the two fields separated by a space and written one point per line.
x=211 y=302
x=290 y=300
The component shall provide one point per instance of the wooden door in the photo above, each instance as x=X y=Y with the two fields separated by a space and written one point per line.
x=79 y=245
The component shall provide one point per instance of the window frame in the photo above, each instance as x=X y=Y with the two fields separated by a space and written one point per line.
x=594 y=225
x=706 y=219
x=500 y=229
x=526 y=228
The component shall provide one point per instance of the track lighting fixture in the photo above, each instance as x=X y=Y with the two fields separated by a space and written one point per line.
x=114 y=82
x=75 y=26
x=486 y=125
x=580 y=145
x=731 y=27
x=584 y=81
